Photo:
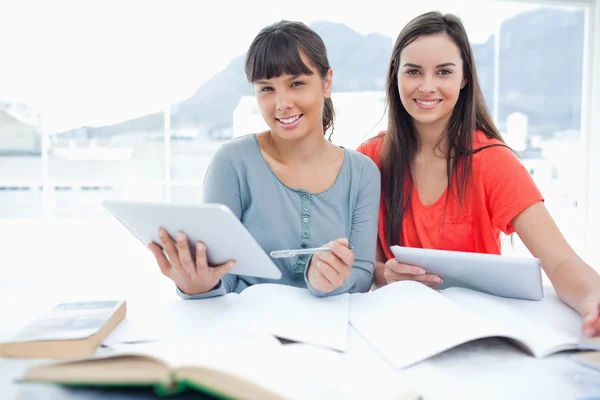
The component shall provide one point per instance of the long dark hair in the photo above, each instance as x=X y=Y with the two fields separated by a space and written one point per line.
x=401 y=142
x=276 y=51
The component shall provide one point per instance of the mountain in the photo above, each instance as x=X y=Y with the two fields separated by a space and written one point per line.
x=540 y=69
x=540 y=75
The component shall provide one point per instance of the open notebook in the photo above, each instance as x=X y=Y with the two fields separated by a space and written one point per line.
x=407 y=322
x=284 y=311
x=224 y=365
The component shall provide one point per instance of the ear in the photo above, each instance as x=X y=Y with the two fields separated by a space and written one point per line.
x=463 y=83
x=328 y=83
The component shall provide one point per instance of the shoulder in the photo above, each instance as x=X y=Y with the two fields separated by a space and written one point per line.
x=489 y=154
x=235 y=151
x=362 y=164
x=372 y=147
x=237 y=146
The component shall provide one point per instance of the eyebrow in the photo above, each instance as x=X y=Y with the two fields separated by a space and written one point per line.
x=291 y=78
x=446 y=64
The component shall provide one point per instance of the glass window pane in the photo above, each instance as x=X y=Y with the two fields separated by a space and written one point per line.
x=20 y=201
x=186 y=194
x=20 y=142
x=191 y=155
x=122 y=154
x=538 y=114
x=86 y=201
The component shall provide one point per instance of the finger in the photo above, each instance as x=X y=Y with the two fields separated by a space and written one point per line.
x=185 y=256
x=172 y=253
x=168 y=247
x=163 y=263
x=343 y=241
x=428 y=279
x=320 y=281
x=400 y=268
x=340 y=248
x=201 y=260
x=221 y=270
x=591 y=321
x=337 y=264
x=334 y=278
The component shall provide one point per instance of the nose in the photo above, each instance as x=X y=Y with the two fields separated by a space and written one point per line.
x=427 y=85
x=283 y=101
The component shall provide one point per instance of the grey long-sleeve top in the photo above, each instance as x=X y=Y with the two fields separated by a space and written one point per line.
x=280 y=217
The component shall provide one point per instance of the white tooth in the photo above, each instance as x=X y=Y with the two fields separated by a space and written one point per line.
x=427 y=103
x=289 y=120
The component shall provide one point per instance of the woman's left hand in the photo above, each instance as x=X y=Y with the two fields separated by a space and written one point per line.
x=590 y=312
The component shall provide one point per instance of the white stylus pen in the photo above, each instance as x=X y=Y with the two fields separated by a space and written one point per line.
x=295 y=252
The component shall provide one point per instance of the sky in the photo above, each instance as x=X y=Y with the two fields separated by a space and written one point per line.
x=100 y=62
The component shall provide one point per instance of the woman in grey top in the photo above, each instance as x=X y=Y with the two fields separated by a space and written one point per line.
x=290 y=186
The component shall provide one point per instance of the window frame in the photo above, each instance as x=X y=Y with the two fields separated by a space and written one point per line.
x=590 y=136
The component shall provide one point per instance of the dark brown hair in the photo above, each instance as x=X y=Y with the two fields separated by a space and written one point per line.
x=401 y=142
x=276 y=51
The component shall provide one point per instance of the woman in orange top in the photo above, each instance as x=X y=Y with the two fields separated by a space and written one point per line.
x=448 y=180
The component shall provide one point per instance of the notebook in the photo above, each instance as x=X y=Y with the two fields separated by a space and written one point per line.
x=407 y=322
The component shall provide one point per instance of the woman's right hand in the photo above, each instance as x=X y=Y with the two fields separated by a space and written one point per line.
x=178 y=265
x=395 y=271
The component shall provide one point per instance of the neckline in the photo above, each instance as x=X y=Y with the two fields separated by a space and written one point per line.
x=432 y=205
x=337 y=178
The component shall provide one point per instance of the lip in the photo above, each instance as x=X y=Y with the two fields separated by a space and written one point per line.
x=427 y=106
x=292 y=124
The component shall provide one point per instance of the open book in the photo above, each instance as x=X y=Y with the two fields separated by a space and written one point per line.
x=284 y=311
x=68 y=330
x=407 y=322
x=224 y=364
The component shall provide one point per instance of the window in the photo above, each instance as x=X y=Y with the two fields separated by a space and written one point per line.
x=137 y=110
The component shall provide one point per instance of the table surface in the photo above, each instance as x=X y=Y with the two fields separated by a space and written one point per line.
x=47 y=262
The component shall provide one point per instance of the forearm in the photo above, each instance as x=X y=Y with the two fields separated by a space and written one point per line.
x=573 y=280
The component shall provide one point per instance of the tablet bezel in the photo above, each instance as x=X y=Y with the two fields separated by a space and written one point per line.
x=215 y=225
x=500 y=275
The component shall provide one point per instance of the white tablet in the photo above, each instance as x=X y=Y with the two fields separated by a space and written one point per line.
x=225 y=236
x=506 y=276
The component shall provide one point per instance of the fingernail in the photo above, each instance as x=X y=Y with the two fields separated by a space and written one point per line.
x=200 y=247
x=180 y=236
x=231 y=264
x=161 y=233
x=588 y=332
x=421 y=272
x=438 y=280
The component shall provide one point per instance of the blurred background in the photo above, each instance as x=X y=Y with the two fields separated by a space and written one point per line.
x=130 y=100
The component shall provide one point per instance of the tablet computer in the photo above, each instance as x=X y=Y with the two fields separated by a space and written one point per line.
x=225 y=236
x=506 y=276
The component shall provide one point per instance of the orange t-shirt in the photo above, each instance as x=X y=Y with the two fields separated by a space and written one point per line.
x=500 y=188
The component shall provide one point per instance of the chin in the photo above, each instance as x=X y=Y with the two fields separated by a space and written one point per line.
x=429 y=119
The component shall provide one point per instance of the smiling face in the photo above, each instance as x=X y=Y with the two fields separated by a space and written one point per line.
x=430 y=79
x=292 y=106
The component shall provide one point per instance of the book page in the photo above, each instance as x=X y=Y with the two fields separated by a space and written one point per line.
x=67 y=321
x=146 y=321
x=213 y=348
x=291 y=313
x=407 y=322
x=544 y=326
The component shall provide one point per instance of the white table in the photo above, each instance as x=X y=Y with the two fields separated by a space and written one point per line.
x=75 y=259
